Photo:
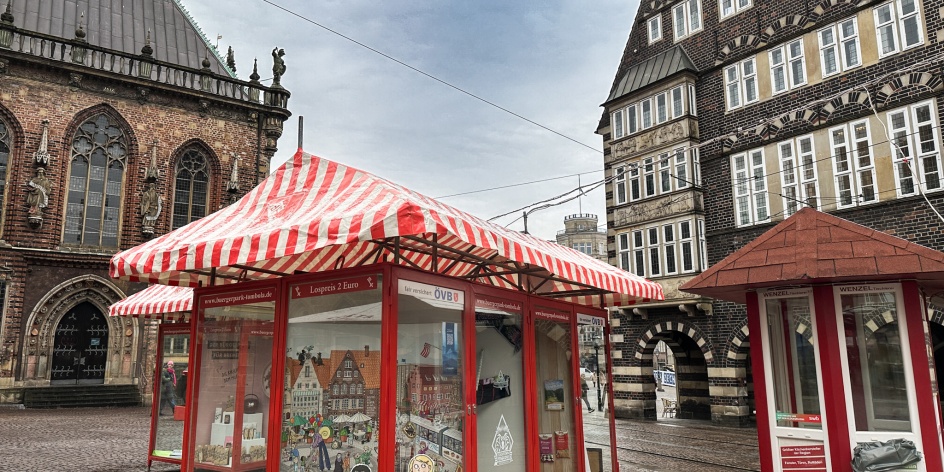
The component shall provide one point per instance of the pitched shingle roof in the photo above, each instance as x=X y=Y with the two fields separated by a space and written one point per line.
x=652 y=70
x=812 y=246
x=122 y=25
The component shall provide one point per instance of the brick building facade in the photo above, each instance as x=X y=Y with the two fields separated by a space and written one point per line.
x=751 y=110
x=110 y=133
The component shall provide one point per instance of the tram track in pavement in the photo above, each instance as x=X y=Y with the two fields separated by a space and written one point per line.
x=655 y=447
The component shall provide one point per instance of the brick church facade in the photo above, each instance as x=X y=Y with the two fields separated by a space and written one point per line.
x=726 y=117
x=115 y=127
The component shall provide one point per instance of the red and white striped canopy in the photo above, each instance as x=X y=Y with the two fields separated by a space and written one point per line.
x=315 y=215
x=157 y=301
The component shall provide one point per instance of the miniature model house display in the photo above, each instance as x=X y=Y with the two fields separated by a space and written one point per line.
x=427 y=354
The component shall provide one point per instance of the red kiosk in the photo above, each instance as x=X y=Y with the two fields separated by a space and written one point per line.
x=840 y=340
x=172 y=305
x=343 y=322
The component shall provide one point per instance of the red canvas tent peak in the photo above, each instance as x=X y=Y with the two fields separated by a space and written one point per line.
x=313 y=215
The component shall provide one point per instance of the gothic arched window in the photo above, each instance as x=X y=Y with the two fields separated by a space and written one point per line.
x=4 y=156
x=99 y=152
x=191 y=188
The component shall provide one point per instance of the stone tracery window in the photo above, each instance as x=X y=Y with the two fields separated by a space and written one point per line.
x=191 y=188
x=99 y=156
x=5 y=148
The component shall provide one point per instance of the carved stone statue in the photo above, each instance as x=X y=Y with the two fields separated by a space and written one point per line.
x=278 y=65
x=151 y=203
x=37 y=197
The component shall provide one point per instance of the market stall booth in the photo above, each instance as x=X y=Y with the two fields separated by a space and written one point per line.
x=344 y=322
x=839 y=334
x=170 y=307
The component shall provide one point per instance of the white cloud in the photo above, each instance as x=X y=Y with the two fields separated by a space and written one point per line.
x=552 y=62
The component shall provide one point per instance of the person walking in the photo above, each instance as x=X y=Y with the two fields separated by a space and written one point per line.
x=584 y=388
x=168 y=387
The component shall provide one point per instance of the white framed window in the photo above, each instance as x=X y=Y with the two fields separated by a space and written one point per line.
x=853 y=165
x=624 y=250
x=655 y=261
x=740 y=83
x=916 y=148
x=662 y=108
x=696 y=166
x=665 y=173
x=618 y=131
x=668 y=241
x=655 y=28
x=692 y=108
x=839 y=47
x=799 y=185
x=678 y=108
x=750 y=188
x=787 y=67
x=631 y=119
x=646 y=110
x=681 y=169
x=686 y=250
x=620 y=184
x=639 y=254
x=649 y=176
x=728 y=8
x=635 y=186
x=702 y=245
x=897 y=26
x=586 y=248
x=686 y=18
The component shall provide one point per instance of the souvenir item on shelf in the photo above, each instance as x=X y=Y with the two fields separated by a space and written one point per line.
x=251 y=403
x=546 y=445
x=562 y=444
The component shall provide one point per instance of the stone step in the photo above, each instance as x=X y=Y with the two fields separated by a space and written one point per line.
x=71 y=396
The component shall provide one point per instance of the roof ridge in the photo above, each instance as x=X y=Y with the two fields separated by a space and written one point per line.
x=206 y=41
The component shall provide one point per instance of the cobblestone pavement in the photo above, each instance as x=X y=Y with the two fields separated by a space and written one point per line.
x=115 y=439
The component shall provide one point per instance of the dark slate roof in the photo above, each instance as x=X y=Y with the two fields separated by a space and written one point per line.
x=122 y=25
x=652 y=70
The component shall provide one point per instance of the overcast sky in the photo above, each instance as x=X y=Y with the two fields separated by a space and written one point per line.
x=552 y=61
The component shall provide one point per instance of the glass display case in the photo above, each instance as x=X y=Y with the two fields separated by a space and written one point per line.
x=170 y=385
x=382 y=368
x=230 y=411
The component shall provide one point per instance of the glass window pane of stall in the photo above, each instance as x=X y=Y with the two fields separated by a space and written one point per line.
x=876 y=365
x=499 y=398
x=331 y=410
x=555 y=387
x=172 y=386
x=230 y=411
x=793 y=361
x=430 y=365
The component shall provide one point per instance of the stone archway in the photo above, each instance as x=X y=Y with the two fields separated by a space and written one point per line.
x=692 y=353
x=36 y=362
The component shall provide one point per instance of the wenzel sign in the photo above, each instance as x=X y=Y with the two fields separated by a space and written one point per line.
x=239 y=298
x=435 y=293
x=328 y=287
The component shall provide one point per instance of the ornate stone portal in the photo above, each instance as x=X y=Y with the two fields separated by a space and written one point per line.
x=36 y=361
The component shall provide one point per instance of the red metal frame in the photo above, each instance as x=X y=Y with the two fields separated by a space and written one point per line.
x=838 y=445
x=764 y=423
x=196 y=352
x=162 y=330
x=924 y=393
x=391 y=274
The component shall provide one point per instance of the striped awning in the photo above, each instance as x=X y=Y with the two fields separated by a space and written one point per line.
x=315 y=215
x=157 y=301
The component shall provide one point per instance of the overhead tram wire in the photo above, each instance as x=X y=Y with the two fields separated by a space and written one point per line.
x=431 y=76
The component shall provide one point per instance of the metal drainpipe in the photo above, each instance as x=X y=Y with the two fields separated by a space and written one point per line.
x=259 y=123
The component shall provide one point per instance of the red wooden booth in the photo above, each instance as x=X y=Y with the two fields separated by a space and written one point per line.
x=346 y=323
x=172 y=306
x=841 y=340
